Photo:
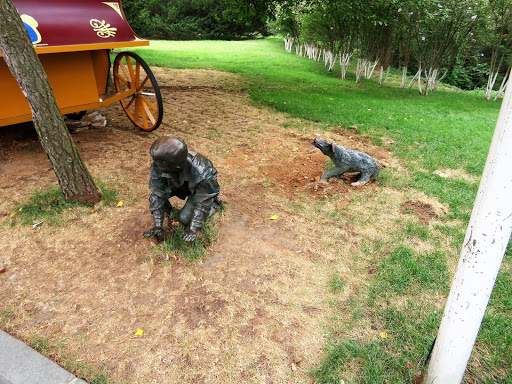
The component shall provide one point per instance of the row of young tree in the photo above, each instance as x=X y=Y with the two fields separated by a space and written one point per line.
x=431 y=39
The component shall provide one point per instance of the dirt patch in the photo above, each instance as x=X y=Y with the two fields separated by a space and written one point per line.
x=251 y=311
x=424 y=211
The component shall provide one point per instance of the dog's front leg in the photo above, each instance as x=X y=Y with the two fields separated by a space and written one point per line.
x=332 y=172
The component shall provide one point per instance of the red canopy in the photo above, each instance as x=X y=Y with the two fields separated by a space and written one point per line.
x=76 y=25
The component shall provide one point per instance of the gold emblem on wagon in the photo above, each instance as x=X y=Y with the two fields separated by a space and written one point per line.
x=103 y=29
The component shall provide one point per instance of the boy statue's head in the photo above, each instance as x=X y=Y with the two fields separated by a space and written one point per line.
x=169 y=153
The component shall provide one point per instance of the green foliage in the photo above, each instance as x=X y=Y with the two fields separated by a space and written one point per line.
x=431 y=35
x=468 y=76
x=197 y=19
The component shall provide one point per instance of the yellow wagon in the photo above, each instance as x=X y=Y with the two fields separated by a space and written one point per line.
x=73 y=39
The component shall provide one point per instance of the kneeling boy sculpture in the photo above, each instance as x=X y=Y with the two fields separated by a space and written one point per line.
x=347 y=160
x=176 y=171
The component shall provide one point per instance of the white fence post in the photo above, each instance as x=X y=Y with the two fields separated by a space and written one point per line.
x=482 y=253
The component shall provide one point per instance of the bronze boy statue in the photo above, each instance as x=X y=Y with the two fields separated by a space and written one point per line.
x=176 y=171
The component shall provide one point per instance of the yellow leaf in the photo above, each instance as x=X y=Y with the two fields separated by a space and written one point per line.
x=384 y=335
x=21 y=209
x=120 y=204
x=274 y=217
x=139 y=332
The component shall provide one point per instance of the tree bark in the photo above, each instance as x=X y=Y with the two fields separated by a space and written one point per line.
x=74 y=179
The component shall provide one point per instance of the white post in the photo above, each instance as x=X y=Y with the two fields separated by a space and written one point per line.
x=486 y=240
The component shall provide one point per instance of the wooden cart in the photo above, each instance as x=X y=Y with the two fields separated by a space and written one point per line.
x=73 y=39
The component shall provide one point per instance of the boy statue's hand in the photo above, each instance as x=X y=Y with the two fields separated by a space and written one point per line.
x=189 y=235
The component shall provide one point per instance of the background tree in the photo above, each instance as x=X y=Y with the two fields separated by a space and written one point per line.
x=498 y=35
x=17 y=50
x=198 y=19
x=427 y=36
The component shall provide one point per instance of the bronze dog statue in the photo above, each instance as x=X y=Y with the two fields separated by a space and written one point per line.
x=347 y=160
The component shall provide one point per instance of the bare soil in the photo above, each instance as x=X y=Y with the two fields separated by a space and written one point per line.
x=254 y=310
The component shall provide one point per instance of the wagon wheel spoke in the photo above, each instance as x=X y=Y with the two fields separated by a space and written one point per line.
x=142 y=113
x=137 y=75
x=149 y=103
x=127 y=106
x=136 y=111
x=143 y=83
x=125 y=70
x=129 y=113
x=143 y=105
x=130 y=69
x=148 y=113
x=122 y=79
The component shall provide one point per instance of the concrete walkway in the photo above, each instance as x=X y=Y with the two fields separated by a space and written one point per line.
x=20 y=364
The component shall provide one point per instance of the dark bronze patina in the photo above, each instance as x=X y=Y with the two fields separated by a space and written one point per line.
x=188 y=175
x=347 y=160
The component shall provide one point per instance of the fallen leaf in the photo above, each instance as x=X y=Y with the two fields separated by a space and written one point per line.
x=274 y=217
x=139 y=332
x=297 y=359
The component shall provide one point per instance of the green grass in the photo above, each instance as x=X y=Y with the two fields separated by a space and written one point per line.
x=41 y=345
x=47 y=207
x=47 y=347
x=447 y=129
x=196 y=250
x=404 y=270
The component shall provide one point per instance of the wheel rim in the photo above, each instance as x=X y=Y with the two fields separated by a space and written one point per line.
x=144 y=107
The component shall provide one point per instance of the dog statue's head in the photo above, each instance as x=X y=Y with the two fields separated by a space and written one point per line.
x=324 y=145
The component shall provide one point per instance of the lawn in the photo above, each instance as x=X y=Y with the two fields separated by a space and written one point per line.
x=447 y=131
x=298 y=281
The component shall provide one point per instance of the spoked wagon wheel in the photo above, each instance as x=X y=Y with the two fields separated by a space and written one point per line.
x=144 y=106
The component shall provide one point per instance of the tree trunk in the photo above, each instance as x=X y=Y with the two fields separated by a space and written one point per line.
x=503 y=83
x=72 y=174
